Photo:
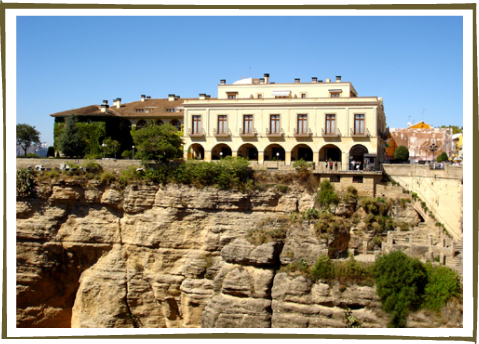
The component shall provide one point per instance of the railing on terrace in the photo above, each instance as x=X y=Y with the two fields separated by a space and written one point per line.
x=334 y=133
x=365 y=133
x=297 y=134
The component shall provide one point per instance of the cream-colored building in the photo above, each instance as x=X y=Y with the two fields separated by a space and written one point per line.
x=278 y=123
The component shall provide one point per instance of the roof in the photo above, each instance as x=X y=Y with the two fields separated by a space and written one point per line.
x=159 y=105
x=247 y=81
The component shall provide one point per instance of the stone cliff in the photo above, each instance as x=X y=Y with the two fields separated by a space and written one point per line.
x=176 y=256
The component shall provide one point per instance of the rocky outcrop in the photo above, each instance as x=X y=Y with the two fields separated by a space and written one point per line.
x=176 y=256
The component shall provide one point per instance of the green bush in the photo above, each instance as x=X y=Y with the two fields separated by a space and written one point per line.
x=107 y=177
x=443 y=285
x=401 y=153
x=442 y=157
x=310 y=214
x=282 y=188
x=25 y=183
x=51 y=151
x=351 y=194
x=326 y=195
x=29 y=156
x=126 y=154
x=302 y=166
x=400 y=283
x=323 y=269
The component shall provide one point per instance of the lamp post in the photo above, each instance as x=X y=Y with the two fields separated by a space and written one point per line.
x=277 y=158
x=133 y=154
x=103 y=145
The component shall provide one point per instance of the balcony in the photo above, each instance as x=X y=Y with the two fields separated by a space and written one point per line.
x=199 y=134
x=244 y=135
x=225 y=134
x=334 y=133
x=362 y=134
x=278 y=134
x=301 y=135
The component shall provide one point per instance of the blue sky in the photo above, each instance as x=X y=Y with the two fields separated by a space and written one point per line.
x=63 y=63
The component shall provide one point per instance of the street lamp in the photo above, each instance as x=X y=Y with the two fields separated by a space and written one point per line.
x=133 y=156
x=277 y=158
x=103 y=145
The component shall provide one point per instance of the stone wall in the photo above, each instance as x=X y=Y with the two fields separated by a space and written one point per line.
x=441 y=190
x=107 y=164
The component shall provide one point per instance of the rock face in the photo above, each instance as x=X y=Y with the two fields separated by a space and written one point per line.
x=174 y=256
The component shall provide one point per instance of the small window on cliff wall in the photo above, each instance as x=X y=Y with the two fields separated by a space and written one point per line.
x=357 y=179
x=335 y=179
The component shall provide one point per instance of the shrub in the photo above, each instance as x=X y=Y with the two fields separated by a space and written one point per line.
x=401 y=153
x=443 y=285
x=282 y=188
x=351 y=194
x=442 y=157
x=51 y=151
x=25 y=183
x=91 y=165
x=310 y=214
x=126 y=154
x=107 y=177
x=323 y=269
x=326 y=195
x=302 y=166
x=400 y=283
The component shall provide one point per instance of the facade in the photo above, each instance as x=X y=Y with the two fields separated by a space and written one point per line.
x=279 y=123
x=119 y=119
x=418 y=139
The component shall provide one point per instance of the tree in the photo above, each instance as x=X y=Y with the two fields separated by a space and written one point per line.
x=400 y=283
x=111 y=146
x=401 y=153
x=71 y=142
x=27 y=136
x=455 y=129
x=51 y=151
x=157 y=143
x=442 y=157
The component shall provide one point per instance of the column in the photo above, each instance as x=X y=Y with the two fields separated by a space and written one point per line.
x=287 y=158
x=345 y=161
x=260 y=158
x=207 y=155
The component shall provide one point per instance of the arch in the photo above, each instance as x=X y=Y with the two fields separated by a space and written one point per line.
x=221 y=150
x=196 y=151
x=125 y=125
x=271 y=152
x=140 y=124
x=159 y=122
x=356 y=153
x=176 y=124
x=302 y=151
x=249 y=151
x=330 y=151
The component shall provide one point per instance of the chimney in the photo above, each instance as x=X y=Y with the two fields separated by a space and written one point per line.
x=171 y=97
x=117 y=102
x=104 y=106
x=223 y=82
x=261 y=81
x=320 y=80
x=296 y=80
x=338 y=78
x=202 y=96
x=314 y=79
x=207 y=96
x=148 y=97
x=142 y=97
x=266 y=78
x=328 y=80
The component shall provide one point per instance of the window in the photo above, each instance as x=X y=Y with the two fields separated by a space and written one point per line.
x=222 y=124
x=274 y=120
x=335 y=179
x=248 y=124
x=140 y=110
x=176 y=124
x=302 y=124
x=334 y=94
x=357 y=179
x=196 y=124
x=171 y=110
x=303 y=95
x=359 y=124
x=260 y=96
x=330 y=124
x=231 y=96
